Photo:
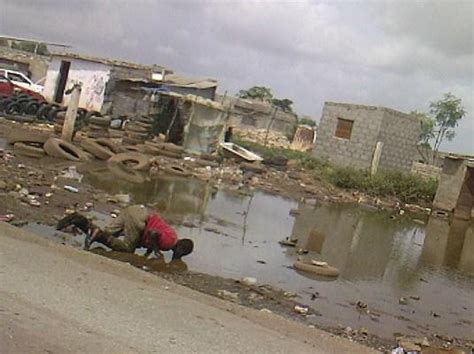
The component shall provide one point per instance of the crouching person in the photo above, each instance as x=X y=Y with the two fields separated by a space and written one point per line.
x=140 y=228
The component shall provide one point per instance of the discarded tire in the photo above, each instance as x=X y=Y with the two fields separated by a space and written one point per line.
x=132 y=127
x=173 y=155
x=257 y=168
x=110 y=145
x=27 y=137
x=62 y=149
x=325 y=270
x=19 y=118
x=99 y=151
x=173 y=147
x=175 y=170
x=130 y=141
x=205 y=163
x=133 y=160
x=31 y=108
x=210 y=157
x=100 y=121
x=28 y=150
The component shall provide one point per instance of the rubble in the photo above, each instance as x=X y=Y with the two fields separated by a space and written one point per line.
x=274 y=139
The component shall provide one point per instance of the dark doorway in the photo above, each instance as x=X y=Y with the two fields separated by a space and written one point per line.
x=62 y=79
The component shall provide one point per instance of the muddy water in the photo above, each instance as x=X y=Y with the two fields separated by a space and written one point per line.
x=381 y=259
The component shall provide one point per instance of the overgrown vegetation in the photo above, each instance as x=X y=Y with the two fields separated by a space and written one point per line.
x=407 y=187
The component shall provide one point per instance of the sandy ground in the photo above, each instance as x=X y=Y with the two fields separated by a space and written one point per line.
x=59 y=299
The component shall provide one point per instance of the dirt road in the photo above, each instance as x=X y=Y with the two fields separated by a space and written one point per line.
x=54 y=298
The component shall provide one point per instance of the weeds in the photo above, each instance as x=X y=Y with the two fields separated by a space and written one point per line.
x=407 y=187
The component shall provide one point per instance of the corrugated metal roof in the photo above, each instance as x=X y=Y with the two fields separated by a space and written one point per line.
x=112 y=62
x=183 y=81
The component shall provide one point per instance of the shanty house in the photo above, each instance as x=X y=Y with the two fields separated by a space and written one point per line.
x=106 y=83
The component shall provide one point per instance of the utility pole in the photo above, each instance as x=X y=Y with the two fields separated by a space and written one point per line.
x=71 y=113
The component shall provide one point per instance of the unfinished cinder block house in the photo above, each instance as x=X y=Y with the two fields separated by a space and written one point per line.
x=348 y=135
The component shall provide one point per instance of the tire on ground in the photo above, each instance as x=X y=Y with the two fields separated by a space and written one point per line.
x=28 y=137
x=99 y=151
x=141 y=162
x=110 y=145
x=62 y=149
x=175 y=170
x=100 y=121
x=253 y=167
x=28 y=150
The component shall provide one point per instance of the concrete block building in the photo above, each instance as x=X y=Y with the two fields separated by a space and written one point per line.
x=348 y=135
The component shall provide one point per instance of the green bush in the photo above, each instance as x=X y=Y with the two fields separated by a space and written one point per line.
x=407 y=187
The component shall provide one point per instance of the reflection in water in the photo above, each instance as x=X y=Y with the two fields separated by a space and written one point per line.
x=380 y=259
x=450 y=244
x=356 y=241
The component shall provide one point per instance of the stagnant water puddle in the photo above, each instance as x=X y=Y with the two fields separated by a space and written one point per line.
x=380 y=259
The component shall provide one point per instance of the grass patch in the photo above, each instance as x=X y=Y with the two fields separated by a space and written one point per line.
x=407 y=187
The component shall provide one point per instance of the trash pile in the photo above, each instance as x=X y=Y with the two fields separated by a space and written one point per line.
x=274 y=139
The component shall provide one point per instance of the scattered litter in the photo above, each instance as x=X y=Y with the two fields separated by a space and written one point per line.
x=228 y=295
x=71 y=189
x=71 y=172
x=249 y=281
x=401 y=212
x=48 y=195
x=35 y=203
x=403 y=301
x=261 y=262
x=266 y=310
x=7 y=217
x=21 y=166
x=302 y=251
x=414 y=297
x=318 y=263
x=23 y=192
x=301 y=309
x=122 y=198
x=69 y=211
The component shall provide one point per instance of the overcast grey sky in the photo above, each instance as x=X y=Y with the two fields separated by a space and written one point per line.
x=400 y=54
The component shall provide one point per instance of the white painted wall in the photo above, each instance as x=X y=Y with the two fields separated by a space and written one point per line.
x=93 y=76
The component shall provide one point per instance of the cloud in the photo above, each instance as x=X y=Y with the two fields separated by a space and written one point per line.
x=400 y=54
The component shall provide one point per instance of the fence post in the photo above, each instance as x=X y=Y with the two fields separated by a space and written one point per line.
x=71 y=113
x=376 y=158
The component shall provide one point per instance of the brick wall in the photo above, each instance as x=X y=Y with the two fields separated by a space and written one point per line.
x=425 y=170
x=400 y=133
x=358 y=150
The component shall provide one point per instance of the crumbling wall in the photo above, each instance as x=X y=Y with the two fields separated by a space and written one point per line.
x=36 y=64
x=400 y=134
x=93 y=76
x=426 y=171
x=450 y=184
x=357 y=151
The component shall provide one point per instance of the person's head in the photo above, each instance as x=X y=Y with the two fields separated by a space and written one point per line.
x=182 y=248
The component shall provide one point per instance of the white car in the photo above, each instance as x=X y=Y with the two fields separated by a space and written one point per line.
x=21 y=80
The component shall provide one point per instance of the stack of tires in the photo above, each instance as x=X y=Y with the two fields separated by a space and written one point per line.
x=138 y=130
x=58 y=115
x=20 y=107
x=28 y=144
x=98 y=125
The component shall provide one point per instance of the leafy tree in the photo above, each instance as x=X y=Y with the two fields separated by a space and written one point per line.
x=439 y=124
x=307 y=121
x=28 y=46
x=260 y=93
x=284 y=104
x=446 y=113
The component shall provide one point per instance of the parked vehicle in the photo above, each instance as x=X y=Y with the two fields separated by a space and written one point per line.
x=21 y=80
x=9 y=88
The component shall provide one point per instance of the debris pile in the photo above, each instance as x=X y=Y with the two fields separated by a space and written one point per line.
x=274 y=139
